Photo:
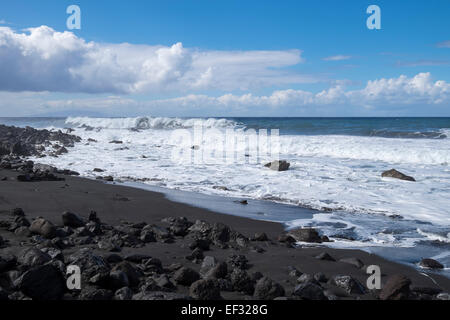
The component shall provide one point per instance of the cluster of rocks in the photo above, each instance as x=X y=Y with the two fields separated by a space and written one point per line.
x=39 y=270
x=32 y=142
x=28 y=171
x=283 y=165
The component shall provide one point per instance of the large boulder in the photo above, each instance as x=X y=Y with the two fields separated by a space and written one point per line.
x=72 y=220
x=267 y=289
x=396 y=288
x=305 y=235
x=349 y=284
x=207 y=289
x=397 y=175
x=238 y=261
x=242 y=282
x=32 y=257
x=117 y=279
x=211 y=268
x=7 y=262
x=309 y=291
x=278 y=165
x=42 y=283
x=134 y=274
x=186 y=276
x=89 y=263
x=44 y=228
x=430 y=264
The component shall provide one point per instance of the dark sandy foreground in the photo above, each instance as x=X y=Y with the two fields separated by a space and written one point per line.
x=116 y=204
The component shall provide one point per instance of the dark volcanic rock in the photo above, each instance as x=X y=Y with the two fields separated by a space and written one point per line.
x=238 y=261
x=396 y=174
x=186 y=276
x=18 y=212
x=118 y=279
x=179 y=226
x=267 y=289
x=7 y=262
x=309 y=291
x=260 y=237
x=72 y=220
x=208 y=289
x=38 y=176
x=241 y=282
x=42 y=283
x=201 y=244
x=320 y=277
x=325 y=256
x=286 y=238
x=95 y=294
x=33 y=257
x=147 y=236
x=305 y=235
x=349 y=284
x=28 y=141
x=44 y=228
x=196 y=255
x=89 y=263
x=276 y=165
x=123 y=294
x=3 y=295
x=134 y=274
x=396 y=288
x=353 y=261
x=93 y=217
x=430 y=264
x=207 y=264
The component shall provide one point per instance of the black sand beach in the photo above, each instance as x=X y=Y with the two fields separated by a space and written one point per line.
x=133 y=244
x=116 y=204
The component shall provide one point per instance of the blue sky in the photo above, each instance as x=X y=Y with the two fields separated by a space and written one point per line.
x=305 y=48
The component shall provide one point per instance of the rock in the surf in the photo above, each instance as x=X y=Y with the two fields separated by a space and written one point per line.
x=278 y=165
x=305 y=235
x=397 y=175
x=430 y=264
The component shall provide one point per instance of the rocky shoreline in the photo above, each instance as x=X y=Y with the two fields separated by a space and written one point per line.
x=148 y=248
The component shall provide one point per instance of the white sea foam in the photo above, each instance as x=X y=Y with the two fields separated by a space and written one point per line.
x=342 y=173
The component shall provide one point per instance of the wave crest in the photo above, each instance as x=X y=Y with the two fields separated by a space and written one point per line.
x=149 y=123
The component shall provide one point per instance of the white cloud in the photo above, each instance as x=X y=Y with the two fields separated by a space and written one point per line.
x=390 y=92
x=42 y=59
x=413 y=94
x=337 y=58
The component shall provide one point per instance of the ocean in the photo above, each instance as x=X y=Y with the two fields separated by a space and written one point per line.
x=335 y=171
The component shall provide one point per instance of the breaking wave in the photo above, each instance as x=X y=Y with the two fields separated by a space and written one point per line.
x=143 y=123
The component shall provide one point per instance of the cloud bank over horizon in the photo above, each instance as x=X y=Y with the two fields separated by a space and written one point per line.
x=43 y=59
x=50 y=72
x=388 y=95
